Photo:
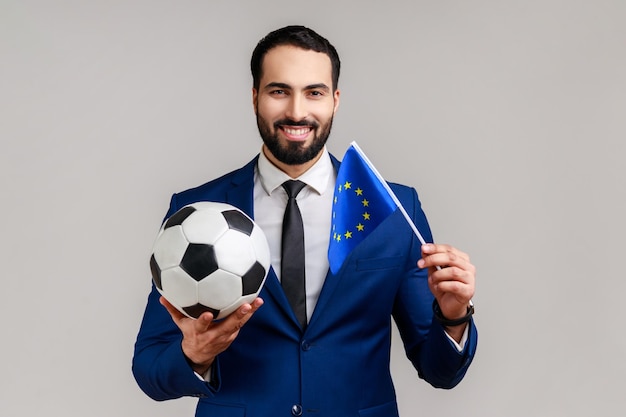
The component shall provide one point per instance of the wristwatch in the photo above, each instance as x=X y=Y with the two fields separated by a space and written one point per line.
x=449 y=323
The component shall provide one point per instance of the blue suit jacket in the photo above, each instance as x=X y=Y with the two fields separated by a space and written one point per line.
x=339 y=366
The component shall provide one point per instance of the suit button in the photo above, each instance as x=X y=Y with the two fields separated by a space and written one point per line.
x=296 y=410
x=305 y=345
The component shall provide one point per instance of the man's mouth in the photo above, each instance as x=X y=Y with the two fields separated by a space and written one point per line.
x=296 y=132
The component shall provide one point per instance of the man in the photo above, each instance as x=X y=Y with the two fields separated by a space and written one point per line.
x=263 y=361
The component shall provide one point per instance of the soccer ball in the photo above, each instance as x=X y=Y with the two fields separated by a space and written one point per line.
x=209 y=257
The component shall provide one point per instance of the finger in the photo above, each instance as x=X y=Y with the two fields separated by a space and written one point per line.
x=463 y=292
x=258 y=302
x=432 y=248
x=436 y=260
x=454 y=287
x=446 y=259
x=453 y=280
x=246 y=310
x=451 y=273
x=204 y=322
x=234 y=322
x=177 y=316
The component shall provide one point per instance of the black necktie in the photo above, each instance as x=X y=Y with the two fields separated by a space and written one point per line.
x=292 y=257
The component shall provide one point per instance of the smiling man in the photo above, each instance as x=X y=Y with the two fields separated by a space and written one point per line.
x=325 y=350
x=295 y=101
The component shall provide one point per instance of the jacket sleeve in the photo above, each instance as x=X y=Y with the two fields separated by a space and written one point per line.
x=159 y=365
x=432 y=353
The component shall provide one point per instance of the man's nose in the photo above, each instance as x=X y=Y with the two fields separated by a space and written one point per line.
x=296 y=110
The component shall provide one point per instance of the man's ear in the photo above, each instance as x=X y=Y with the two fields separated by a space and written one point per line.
x=255 y=98
x=336 y=95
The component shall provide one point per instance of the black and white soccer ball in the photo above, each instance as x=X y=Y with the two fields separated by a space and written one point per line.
x=209 y=257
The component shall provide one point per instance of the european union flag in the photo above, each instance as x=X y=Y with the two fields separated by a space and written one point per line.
x=361 y=202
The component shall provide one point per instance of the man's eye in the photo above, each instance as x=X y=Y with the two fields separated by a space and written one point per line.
x=277 y=92
x=316 y=93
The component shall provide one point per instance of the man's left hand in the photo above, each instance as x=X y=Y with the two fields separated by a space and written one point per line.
x=453 y=284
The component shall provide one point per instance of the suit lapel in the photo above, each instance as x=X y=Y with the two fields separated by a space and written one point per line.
x=331 y=281
x=273 y=287
x=241 y=195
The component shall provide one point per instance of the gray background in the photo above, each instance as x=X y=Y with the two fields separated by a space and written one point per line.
x=507 y=116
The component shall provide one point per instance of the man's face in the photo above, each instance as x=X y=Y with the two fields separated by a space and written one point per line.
x=295 y=104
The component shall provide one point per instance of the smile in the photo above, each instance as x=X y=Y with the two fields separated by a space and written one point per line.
x=294 y=132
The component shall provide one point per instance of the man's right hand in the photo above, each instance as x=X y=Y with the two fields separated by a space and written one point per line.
x=204 y=339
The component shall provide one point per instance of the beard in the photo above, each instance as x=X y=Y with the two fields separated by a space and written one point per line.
x=293 y=153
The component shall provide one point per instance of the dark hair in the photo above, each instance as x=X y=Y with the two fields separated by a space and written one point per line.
x=300 y=37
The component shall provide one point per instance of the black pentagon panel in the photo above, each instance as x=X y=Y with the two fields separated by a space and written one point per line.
x=156 y=273
x=196 y=311
x=199 y=260
x=238 y=221
x=253 y=279
x=179 y=217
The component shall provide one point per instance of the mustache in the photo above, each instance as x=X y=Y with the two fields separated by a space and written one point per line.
x=301 y=123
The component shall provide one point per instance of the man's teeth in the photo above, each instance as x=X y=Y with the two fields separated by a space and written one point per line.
x=296 y=132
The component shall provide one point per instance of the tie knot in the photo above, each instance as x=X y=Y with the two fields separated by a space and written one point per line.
x=293 y=187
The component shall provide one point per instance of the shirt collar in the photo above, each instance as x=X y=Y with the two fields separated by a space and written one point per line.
x=315 y=177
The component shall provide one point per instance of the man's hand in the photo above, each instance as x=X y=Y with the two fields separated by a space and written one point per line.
x=204 y=339
x=453 y=285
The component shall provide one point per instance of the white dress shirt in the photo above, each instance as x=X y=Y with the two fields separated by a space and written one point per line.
x=315 y=203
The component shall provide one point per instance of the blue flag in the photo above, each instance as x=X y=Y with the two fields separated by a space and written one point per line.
x=361 y=202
